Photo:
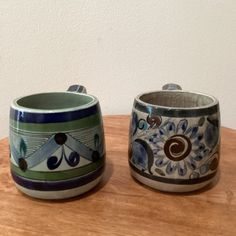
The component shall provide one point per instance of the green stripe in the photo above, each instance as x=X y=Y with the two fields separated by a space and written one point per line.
x=58 y=175
x=87 y=122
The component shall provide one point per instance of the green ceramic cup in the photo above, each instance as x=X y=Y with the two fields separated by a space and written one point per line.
x=56 y=143
x=175 y=139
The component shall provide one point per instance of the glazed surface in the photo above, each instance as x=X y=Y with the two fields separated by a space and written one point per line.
x=173 y=149
x=56 y=151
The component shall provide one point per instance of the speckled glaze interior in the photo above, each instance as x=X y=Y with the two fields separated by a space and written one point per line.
x=177 y=99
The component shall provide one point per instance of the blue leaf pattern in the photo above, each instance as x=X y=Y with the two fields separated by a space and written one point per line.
x=23 y=148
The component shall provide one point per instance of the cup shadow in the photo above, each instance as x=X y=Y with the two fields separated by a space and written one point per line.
x=106 y=176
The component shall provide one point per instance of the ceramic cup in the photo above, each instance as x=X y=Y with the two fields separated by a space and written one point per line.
x=174 y=139
x=56 y=143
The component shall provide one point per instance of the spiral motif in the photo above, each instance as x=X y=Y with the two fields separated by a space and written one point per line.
x=177 y=147
x=154 y=121
x=54 y=162
x=142 y=124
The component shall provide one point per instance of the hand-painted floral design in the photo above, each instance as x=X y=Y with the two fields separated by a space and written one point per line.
x=62 y=150
x=178 y=147
x=54 y=162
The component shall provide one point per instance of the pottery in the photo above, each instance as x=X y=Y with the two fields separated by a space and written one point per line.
x=174 y=139
x=57 y=145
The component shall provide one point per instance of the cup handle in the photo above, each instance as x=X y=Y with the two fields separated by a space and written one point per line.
x=171 y=86
x=76 y=88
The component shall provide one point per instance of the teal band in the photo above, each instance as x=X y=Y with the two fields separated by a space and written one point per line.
x=176 y=112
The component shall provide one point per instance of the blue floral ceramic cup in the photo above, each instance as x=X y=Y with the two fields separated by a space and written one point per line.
x=174 y=139
x=56 y=143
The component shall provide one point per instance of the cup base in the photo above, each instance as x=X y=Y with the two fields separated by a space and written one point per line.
x=63 y=194
x=175 y=188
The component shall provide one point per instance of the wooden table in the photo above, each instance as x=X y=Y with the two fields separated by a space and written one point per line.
x=120 y=205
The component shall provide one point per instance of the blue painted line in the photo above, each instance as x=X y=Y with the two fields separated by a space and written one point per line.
x=79 y=147
x=57 y=185
x=39 y=118
x=173 y=181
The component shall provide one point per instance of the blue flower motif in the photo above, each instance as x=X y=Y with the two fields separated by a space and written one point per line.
x=178 y=147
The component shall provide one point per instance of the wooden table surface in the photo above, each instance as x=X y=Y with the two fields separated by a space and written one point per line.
x=120 y=205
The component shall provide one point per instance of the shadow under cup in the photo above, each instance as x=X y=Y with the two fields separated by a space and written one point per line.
x=174 y=140
x=57 y=144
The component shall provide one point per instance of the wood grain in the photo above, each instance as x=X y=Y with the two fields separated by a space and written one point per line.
x=120 y=205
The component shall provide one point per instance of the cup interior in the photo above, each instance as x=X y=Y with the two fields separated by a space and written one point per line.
x=54 y=101
x=177 y=99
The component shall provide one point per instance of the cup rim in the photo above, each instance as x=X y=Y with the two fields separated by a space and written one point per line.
x=155 y=106
x=16 y=106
